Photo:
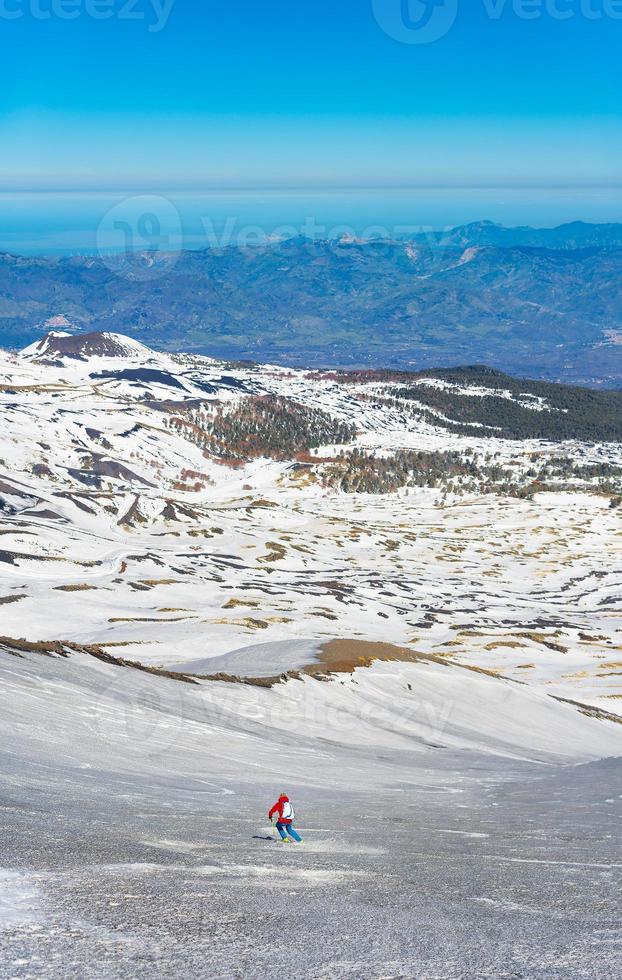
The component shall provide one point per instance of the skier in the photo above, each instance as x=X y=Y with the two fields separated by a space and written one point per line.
x=285 y=817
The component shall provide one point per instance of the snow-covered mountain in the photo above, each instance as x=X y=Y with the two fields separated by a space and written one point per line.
x=172 y=506
x=61 y=346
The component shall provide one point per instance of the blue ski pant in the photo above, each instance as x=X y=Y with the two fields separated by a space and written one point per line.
x=286 y=828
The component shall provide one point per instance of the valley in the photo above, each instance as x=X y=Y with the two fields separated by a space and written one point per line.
x=532 y=302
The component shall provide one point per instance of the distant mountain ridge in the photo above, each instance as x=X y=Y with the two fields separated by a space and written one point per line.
x=575 y=234
x=540 y=302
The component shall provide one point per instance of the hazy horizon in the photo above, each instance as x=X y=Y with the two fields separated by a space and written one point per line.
x=82 y=222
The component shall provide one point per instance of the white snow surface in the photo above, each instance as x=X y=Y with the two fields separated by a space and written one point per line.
x=258 y=659
x=19 y=900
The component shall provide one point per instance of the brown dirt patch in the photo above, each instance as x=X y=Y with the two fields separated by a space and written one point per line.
x=75 y=588
x=510 y=644
x=145 y=619
x=344 y=656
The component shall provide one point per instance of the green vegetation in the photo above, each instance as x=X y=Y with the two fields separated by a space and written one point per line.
x=571 y=412
x=360 y=472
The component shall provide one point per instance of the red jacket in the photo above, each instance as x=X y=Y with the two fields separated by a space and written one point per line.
x=278 y=809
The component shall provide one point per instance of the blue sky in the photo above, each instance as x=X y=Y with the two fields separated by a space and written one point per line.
x=306 y=92
x=268 y=113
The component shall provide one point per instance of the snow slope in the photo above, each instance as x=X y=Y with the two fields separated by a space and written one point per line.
x=99 y=715
x=437 y=806
x=257 y=660
x=456 y=823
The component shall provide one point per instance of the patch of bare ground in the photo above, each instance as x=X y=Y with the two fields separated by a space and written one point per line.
x=10 y=557
x=260 y=504
x=34 y=389
x=512 y=644
x=6 y=599
x=126 y=643
x=250 y=623
x=544 y=639
x=75 y=588
x=146 y=619
x=276 y=552
x=344 y=656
